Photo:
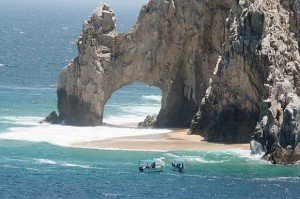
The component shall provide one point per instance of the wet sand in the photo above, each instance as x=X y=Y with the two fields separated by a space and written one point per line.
x=176 y=140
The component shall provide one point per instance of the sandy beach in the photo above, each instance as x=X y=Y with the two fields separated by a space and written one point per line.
x=175 y=140
x=125 y=136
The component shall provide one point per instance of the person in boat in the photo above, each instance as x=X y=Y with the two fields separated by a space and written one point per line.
x=180 y=167
x=153 y=165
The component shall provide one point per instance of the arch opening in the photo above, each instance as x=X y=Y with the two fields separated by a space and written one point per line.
x=131 y=104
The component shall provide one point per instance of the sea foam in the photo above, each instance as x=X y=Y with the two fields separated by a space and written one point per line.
x=27 y=88
x=141 y=110
x=194 y=158
x=28 y=121
x=67 y=136
x=64 y=164
x=128 y=120
x=156 y=98
x=246 y=154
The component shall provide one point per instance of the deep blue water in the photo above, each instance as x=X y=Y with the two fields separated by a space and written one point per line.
x=37 y=39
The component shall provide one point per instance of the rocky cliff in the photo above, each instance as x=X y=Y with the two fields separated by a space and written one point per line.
x=229 y=66
x=256 y=84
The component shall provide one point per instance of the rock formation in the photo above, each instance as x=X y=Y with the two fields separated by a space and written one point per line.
x=229 y=66
x=149 y=122
x=166 y=48
x=52 y=118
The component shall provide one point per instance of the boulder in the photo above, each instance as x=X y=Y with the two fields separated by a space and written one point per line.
x=149 y=122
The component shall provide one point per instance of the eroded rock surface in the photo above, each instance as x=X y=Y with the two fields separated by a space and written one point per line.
x=229 y=66
x=257 y=80
x=167 y=48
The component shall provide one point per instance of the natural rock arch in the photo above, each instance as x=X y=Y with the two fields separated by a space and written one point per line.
x=161 y=50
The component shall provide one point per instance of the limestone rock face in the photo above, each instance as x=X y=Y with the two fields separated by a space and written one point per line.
x=229 y=69
x=167 y=48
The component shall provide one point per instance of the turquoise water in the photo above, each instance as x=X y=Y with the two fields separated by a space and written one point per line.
x=37 y=39
x=43 y=170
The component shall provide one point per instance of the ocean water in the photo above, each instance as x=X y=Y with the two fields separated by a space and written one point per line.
x=37 y=39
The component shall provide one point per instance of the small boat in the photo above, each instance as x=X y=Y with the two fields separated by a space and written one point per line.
x=155 y=165
x=178 y=165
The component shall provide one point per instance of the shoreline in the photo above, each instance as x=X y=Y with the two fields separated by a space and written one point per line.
x=110 y=136
x=176 y=140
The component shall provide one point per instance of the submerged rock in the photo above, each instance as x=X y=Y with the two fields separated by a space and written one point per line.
x=222 y=66
x=52 y=118
x=149 y=122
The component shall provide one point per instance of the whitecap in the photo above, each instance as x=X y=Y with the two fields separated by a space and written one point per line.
x=289 y=179
x=200 y=159
x=26 y=88
x=30 y=121
x=247 y=155
x=156 y=98
x=76 y=165
x=110 y=195
x=45 y=161
x=9 y=166
x=193 y=158
x=172 y=155
x=2 y=65
x=33 y=169
x=121 y=149
x=65 y=28
x=140 y=110
x=64 y=164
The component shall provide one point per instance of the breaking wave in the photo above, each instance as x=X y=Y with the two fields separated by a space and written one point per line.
x=64 y=164
x=67 y=136
x=26 y=121
x=140 y=110
x=155 y=98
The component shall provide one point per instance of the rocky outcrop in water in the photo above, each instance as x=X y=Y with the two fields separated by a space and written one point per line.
x=229 y=66
x=52 y=118
x=149 y=122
